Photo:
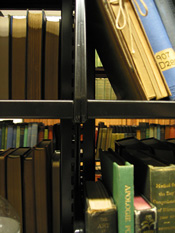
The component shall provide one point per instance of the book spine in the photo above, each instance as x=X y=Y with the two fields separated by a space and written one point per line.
x=160 y=43
x=162 y=195
x=166 y=10
x=124 y=197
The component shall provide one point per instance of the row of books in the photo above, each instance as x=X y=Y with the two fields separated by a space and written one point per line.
x=29 y=180
x=141 y=167
x=104 y=90
x=101 y=211
x=141 y=61
x=107 y=135
x=29 y=62
x=14 y=135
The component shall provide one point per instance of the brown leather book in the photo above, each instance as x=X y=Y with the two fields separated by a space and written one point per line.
x=4 y=58
x=3 y=171
x=51 y=71
x=43 y=185
x=35 y=21
x=18 y=57
x=15 y=181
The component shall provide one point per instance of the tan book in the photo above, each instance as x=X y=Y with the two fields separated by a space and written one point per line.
x=34 y=54
x=4 y=58
x=42 y=182
x=29 y=193
x=15 y=182
x=18 y=57
x=3 y=172
x=56 y=192
x=131 y=66
x=51 y=70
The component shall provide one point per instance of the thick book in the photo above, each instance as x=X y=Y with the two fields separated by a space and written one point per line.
x=18 y=57
x=118 y=177
x=56 y=185
x=155 y=180
x=43 y=152
x=4 y=58
x=29 y=220
x=160 y=42
x=3 y=171
x=35 y=54
x=51 y=65
x=15 y=181
x=166 y=10
x=145 y=215
x=100 y=210
x=132 y=70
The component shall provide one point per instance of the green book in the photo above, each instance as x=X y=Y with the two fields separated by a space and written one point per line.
x=118 y=177
x=156 y=181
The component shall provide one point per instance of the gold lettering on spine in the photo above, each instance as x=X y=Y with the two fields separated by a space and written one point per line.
x=166 y=59
x=127 y=207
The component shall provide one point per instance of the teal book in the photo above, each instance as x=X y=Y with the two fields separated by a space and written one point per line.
x=160 y=43
x=118 y=177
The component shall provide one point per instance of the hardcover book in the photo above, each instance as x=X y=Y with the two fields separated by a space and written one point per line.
x=100 y=215
x=35 y=20
x=18 y=57
x=131 y=66
x=4 y=58
x=161 y=45
x=145 y=215
x=118 y=177
x=51 y=70
x=155 y=180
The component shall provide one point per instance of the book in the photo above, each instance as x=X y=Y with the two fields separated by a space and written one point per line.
x=14 y=181
x=155 y=180
x=100 y=211
x=118 y=177
x=161 y=150
x=4 y=58
x=166 y=11
x=29 y=220
x=56 y=201
x=51 y=72
x=137 y=80
x=145 y=215
x=43 y=152
x=35 y=30
x=161 y=45
x=18 y=57
x=3 y=172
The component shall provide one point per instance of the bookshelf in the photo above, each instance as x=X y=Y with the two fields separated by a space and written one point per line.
x=77 y=108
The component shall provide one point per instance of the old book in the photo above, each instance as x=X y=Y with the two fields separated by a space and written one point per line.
x=29 y=220
x=155 y=180
x=118 y=177
x=166 y=10
x=3 y=172
x=100 y=211
x=160 y=42
x=51 y=70
x=145 y=215
x=4 y=58
x=15 y=181
x=43 y=185
x=140 y=75
x=56 y=201
x=35 y=20
x=18 y=57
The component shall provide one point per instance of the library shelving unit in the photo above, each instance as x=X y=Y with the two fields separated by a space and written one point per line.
x=77 y=108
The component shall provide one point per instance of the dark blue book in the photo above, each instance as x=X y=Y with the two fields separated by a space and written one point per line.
x=160 y=43
x=9 y=136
